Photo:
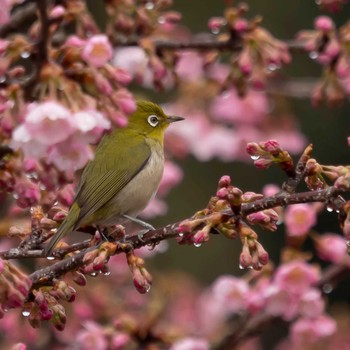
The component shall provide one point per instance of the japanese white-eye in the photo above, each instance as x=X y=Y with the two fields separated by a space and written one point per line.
x=123 y=176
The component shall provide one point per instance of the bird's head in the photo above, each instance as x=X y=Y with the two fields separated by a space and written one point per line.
x=150 y=120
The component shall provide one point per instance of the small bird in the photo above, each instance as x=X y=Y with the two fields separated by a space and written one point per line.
x=123 y=176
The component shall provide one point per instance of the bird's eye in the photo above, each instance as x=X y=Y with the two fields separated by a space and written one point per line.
x=153 y=120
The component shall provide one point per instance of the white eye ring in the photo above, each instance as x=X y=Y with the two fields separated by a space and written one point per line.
x=153 y=120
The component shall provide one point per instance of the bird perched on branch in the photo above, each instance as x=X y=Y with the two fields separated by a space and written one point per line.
x=123 y=176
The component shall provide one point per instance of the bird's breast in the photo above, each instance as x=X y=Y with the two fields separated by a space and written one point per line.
x=134 y=197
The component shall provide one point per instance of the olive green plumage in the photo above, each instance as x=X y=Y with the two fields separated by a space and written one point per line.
x=124 y=174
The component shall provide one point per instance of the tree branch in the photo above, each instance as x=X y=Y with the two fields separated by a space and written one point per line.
x=153 y=237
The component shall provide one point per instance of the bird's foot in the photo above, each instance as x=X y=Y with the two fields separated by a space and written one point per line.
x=142 y=223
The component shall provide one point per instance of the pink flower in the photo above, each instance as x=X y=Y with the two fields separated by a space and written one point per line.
x=310 y=331
x=156 y=207
x=190 y=343
x=231 y=292
x=27 y=193
x=331 y=247
x=97 y=51
x=270 y=190
x=311 y=304
x=189 y=67
x=219 y=142
x=135 y=61
x=91 y=124
x=289 y=138
x=279 y=302
x=148 y=252
x=92 y=337
x=125 y=101
x=132 y=59
x=5 y=11
x=299 y=218
x=229 y=107
x=21 y=139
x=49 y=122
x=75 y=41
x=119 y=341
x=70 y=155
x=296 y=277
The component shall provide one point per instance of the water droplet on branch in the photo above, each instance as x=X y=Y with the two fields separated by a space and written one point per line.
x=327 y=288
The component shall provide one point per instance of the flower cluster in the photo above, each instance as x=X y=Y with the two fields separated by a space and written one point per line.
x=216 y=218
x=330 y=47
x=261 y=53
x=270 y=152
x=14 y=287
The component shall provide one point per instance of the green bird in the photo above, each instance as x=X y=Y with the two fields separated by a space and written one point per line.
x=123 y=176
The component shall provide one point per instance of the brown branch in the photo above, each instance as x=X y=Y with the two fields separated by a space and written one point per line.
x=209 y=42
x=153 y=237
x=58 y=269
x=291 y=183
x=42 y=45
x=282 y=199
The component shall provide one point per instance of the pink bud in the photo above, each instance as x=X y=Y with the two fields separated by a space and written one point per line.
x=271 y=146
x=224 y=181
x=323 y=23
x=215 y=23
x=57 y=11
x=263 y=163
x=263 y=255
x=30 y=165
x=253 y=148
x=121 y=76
x=140 y=283
x=241 y=25
x=200 y=237
x=222 y=193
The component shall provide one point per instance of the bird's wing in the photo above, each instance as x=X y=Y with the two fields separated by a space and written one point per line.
x=108 y=173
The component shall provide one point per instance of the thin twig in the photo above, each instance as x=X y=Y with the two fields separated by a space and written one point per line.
x=291 y=183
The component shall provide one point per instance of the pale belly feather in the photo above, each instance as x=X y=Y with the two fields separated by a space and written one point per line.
x=134 y=197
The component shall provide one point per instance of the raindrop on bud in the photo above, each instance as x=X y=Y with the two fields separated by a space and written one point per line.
x=107 y=273
x=329 y=208
x=149 y=5
x=197 y=245
x=327 y=288
x=25 y=54
x=313 y=55
x=254 y=157
x=25 y=313
x=50 y=258
x=272 y=67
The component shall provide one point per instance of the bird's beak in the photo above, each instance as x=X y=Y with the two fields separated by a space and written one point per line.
x=173 y=118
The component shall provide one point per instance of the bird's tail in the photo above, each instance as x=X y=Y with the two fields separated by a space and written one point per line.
x=67 y=226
